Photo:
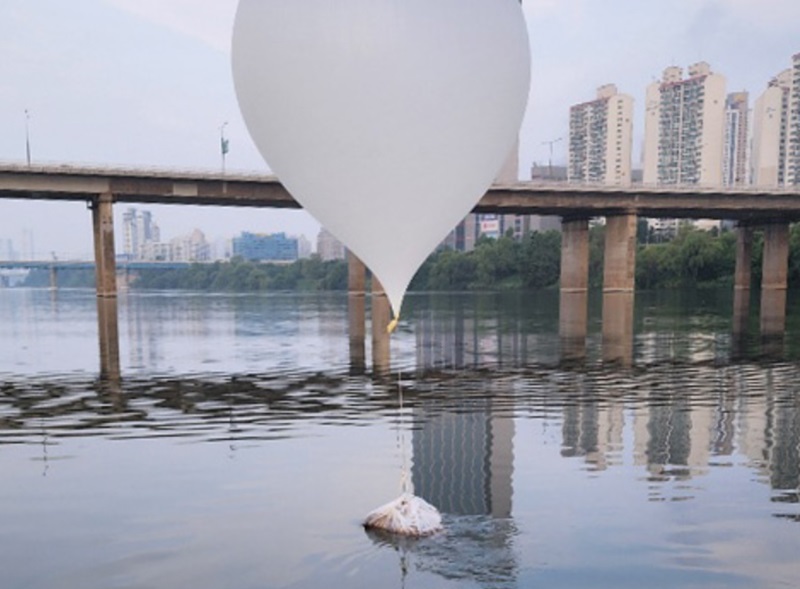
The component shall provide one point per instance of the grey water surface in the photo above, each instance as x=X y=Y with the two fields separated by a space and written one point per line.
x=241 y=449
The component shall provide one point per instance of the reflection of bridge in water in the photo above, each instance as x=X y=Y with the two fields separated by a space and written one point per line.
x=770 y=209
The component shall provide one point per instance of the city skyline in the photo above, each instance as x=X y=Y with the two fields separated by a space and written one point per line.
x=146 y=83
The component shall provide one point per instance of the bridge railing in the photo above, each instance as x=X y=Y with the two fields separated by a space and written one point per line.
x=153 y=171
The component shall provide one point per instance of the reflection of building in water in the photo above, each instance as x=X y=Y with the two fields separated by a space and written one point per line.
x=686 y=418
x=457 y=336
x=705 y=412
x=144 y=334
x=463 y=460
x=446 y=341
x=769 y=427
x=682 y=419
x=594 y=431
x=662 y=345
x=463 y=464
x=672 y=430
x=160 y=326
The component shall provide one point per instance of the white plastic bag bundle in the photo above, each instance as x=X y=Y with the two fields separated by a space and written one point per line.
x=407 y=515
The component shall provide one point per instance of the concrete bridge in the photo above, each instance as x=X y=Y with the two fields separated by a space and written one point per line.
x=770 y=208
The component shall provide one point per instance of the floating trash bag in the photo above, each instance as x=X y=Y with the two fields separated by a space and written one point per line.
x=407 y=515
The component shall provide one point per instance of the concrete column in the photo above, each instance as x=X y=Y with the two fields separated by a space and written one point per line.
x=53 y=278
x=381 y=317
x=356 y=313
x=104 y=256
x=619 y=272
x=741 y=281
x=108 y=336
x=775 y=268
x=106 y=279
x=574 y=283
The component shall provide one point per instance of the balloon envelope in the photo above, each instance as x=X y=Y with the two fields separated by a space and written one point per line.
x=386 y=119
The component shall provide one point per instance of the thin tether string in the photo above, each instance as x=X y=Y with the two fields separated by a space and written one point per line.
x=405 y=483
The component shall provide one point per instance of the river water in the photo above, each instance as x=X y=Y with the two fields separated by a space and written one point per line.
x=241 y=449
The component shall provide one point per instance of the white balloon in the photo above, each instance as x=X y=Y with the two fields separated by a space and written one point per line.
x=386 y=119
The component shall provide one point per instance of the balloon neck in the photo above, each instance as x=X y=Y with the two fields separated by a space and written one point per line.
x=392 y=324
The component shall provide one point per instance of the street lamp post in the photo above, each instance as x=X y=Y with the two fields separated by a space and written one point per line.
x=223 y=144
x=550 y=161
x=27 y=137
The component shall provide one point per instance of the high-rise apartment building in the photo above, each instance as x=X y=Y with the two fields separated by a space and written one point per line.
x=776 y=130
x=770 y=132
x=793 y=150
x=139 y=230
x=600 y=138
x=685 y=127
x=734 y=157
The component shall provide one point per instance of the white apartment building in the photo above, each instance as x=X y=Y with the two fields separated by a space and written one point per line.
x=685 y=127
x=771 y=132
x=684 y=132
x=601 y=138
x=139 y=230
x=190 y=248
x=735 y=147
x=776 y=131
x=793 y=150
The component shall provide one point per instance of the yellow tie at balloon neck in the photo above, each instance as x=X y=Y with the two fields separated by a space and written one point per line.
x=392 y=324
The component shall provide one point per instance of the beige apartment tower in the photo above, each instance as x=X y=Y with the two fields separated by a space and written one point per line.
x=601 y=138
x=685 y=127
x=771 y=132
x=776 y=131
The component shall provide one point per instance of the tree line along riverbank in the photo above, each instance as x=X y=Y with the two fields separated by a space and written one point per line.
x=692 y=258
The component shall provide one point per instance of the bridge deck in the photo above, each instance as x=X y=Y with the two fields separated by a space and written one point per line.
x=68 y=183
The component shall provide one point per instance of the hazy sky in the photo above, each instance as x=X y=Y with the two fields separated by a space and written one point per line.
x=148 y=83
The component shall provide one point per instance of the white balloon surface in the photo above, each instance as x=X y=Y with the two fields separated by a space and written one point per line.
x=386 y=119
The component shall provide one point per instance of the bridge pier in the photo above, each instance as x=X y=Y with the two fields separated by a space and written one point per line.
x=619 y=273
x=104 y=255
x=775 y=268
x=356 y=312
x=574 y=283
x=108 y=332
x=106 y=285
x=53 y=277
x=381 y=316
